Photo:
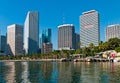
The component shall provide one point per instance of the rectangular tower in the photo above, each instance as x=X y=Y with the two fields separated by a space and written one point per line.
x=3 y=43
x=89 y=28
x=77 y=41
x=15 y=39
x=46 y=41
x=112 y=31
x=31 y=33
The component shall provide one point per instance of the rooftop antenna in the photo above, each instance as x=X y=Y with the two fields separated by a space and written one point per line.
x=63 y=18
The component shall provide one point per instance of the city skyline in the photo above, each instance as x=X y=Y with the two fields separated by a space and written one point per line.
x=53 y=14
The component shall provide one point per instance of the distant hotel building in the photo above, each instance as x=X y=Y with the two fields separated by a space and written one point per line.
x=15 y=39
x=112 y=31
x=46 y=41
x=89 y=28
x=31 y=33
x=66 y=37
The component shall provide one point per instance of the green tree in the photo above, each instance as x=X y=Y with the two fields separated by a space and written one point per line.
x=91 y=47
x=78 y=51
x=117 y=49
x=113 y=43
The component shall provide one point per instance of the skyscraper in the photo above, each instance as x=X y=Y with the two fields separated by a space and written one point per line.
x=0 y=40
x=89 y=28
x=77 y=41
x=15 y=39
x=31 y=33
x=3 y=43
x=66 y=37
x=46 y=48
x=46 y=41
x=46 y=35
x=112 y=31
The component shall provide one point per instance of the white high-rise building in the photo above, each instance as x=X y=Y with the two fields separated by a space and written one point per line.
x=89 y=28
x=15 y=39
x=112 y=31
x=31 y=33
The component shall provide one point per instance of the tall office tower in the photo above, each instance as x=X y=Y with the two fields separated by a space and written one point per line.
x=3 y=43
x=46 y=36
x=89 y=28
x=31 y=33
x=0 y=40
x=77 y=41
x=112 y=31
x=46 y=41
x=66 y=39
x=15 y=39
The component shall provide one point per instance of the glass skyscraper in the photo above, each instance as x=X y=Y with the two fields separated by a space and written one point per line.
x=77 y=41
x=89 y=28
x=46 y=36
x=31 y=33
x=3 y=43
x=46 y=41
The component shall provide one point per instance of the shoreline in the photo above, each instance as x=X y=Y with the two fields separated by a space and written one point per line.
x=41 y=60
x=58 y=60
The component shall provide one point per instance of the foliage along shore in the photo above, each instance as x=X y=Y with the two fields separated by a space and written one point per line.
x=91 y=50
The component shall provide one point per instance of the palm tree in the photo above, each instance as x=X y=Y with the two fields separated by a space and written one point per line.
x=91 y=46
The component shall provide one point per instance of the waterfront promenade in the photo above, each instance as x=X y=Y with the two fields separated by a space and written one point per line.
x=30 y=60
x=60 y=60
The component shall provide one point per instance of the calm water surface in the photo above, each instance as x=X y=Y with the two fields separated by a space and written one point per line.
x=59 y=72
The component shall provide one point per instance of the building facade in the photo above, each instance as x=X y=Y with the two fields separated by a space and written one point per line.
x=89 y=28
x=77 y=41
x=3 y=44
x=31 y=33
x=0 y=40
x=15 y=39
x=112 y=31
x=46 y=35
x=46 y=48
x=66 y=37
x=46 y=41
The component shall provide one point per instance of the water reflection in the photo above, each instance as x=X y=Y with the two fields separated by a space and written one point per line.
x=10 y=72
x=54 y=72
x=25 y=73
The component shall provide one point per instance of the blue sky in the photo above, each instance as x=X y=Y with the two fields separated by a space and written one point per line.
x=53 y=11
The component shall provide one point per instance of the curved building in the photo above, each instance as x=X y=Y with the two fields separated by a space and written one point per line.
x=66 y=37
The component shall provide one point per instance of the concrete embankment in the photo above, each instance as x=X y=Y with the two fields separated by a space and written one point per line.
x=30 y=60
